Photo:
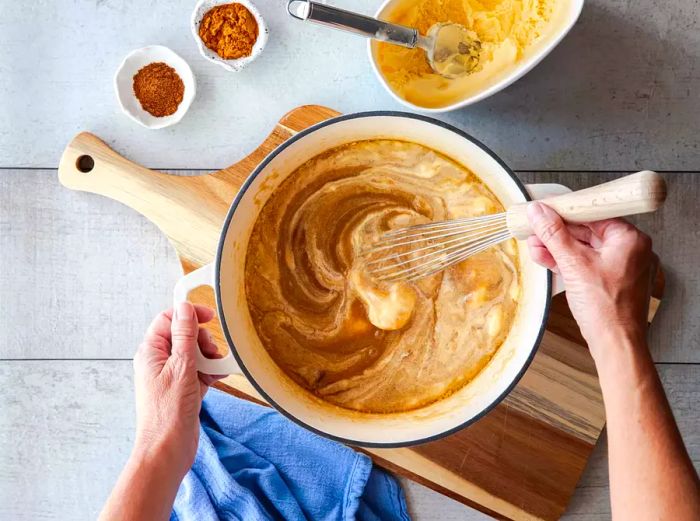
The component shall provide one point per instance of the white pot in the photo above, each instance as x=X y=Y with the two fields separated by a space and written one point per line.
x=250 y=357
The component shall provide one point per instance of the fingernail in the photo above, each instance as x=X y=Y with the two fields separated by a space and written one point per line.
x=534 y=210
x=184 y=311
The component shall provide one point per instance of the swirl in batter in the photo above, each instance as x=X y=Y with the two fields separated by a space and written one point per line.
x=361 y=344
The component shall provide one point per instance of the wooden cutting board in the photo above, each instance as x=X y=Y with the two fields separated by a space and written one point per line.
x=521 y=461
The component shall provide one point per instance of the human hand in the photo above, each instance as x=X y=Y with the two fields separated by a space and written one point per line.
x=169 y=389
x=607 y=267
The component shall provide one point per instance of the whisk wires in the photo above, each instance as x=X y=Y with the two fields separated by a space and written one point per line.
x=421 y=250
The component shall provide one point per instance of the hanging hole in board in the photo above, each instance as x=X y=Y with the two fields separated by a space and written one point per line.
x=85 y=164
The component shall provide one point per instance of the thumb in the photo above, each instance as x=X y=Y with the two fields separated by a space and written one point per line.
x=184 y=330
x=552 y=231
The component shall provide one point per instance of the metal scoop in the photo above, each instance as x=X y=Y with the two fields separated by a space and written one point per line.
x=451 y=48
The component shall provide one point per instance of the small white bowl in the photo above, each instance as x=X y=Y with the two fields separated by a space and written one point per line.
x=124 y=85
x=566 y=20
x=231 y=65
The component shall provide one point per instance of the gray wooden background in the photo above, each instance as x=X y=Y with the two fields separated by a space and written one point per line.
x=81 y=276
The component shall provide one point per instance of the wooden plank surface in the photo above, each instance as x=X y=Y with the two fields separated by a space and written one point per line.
x=80 y=416
x=621 y=92
x=53 y=337
x=67 y=260
x=44 y=229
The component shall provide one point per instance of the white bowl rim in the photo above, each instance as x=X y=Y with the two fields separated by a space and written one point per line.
x=238 y=64
x=517 y=73
x=188 y=97
x=222 y=317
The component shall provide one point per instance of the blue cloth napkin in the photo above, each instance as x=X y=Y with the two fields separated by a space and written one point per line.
x=253 y=464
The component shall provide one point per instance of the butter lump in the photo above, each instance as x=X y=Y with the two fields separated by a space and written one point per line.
x=506 y=28
x=389 y=308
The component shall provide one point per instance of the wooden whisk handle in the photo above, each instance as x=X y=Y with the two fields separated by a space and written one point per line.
x=633 y=194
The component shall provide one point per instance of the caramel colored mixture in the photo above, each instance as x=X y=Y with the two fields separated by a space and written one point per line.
x=230 y=30
x=351 y=340
x=505 y=28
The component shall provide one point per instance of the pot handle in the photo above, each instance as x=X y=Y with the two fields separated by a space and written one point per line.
x=204 y=276
x=542 y=191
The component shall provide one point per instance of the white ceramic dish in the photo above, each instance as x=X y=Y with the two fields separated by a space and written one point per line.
x=565 y=20
x=124 y=85
x=249 y=356
x=231 y=65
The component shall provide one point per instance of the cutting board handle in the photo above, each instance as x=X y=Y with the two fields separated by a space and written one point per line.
x=89 y=165
x=189 y=210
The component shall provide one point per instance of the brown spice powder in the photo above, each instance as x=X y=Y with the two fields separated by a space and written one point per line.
x=159 y=89
x=230 y=30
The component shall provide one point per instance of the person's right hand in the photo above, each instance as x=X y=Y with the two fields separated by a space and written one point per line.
x=607 y=267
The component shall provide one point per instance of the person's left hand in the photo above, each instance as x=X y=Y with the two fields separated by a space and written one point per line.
x=169 y=389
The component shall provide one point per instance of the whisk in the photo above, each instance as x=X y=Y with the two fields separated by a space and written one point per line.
x=418 y=251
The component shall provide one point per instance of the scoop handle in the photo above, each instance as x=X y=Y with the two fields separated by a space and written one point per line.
x=642 y=192
x=353 y=22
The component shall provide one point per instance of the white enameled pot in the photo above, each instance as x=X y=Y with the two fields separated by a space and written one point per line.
x=247 y=354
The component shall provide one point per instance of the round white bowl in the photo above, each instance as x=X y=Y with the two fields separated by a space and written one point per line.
x=565 y=20
x=231 y=65
x=124 y=85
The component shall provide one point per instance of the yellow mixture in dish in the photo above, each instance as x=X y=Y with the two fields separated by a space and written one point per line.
x=506 y=29
x=351 y=340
